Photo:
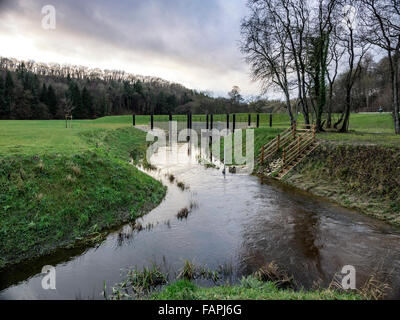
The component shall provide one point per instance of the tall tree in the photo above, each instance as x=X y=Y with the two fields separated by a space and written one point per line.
x=382 y=20
x=51 y=101
x=335 y=56
x=3 y=111
x=264 y=42
x=8 y=93
x=87 y=104
x=351 y=38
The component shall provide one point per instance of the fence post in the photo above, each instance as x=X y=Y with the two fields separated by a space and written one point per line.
x=134 y=120
x=270 y=120
x=314 y=129
x=278 y=142
x=262 y=155
x=227 y=120
x=170 y=117
x=294 y=130
x=298 y=145
x=211 y=127
x=207 y=122
x=249 y=120
x=152 y=121
x=258 y=120
x=284 y=156
x=234 y=122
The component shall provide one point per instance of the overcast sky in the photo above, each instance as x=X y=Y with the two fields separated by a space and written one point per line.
x=192 y=42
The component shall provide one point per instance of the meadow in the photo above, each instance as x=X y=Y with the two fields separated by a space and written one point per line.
x=44 y=137
x=59 y=185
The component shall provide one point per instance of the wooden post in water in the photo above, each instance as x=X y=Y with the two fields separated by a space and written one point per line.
x=211 y=127
x=249 y=120
x=258 y=120
x=270 y=120
x=152 y=121
x=234 y=123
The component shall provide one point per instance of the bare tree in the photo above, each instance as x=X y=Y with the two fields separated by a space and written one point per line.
x=264 y=42
x=335 y=55
x=67 y=106
x=382 y=21
x=351 y=37
x=294 y=16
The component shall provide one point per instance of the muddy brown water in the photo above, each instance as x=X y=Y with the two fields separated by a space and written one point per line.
x=239 y=222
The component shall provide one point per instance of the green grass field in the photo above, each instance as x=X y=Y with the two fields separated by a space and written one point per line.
x=62 y=186
x=45 y=137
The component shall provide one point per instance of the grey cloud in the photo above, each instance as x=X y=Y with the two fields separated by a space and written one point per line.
x=202 y=33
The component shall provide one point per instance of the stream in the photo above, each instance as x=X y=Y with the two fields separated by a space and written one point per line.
x=237 y=223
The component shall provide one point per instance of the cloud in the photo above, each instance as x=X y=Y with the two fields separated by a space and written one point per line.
x=188 y=41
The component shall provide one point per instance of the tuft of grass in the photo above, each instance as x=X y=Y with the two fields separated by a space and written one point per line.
x=138 y=283
x=273 y=273
x=183 y=214
x=181 y=185
x=188 y=271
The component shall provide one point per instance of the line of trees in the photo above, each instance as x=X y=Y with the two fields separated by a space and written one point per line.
x=30 y=90
x=299 y=46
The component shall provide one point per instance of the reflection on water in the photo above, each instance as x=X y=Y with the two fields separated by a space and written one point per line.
x=239 y=222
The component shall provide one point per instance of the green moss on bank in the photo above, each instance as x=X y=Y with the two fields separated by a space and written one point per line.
x=53 y=200
x=249 y=289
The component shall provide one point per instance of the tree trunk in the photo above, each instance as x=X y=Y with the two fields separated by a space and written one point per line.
x=329 y=108
x=345 y=125
x=395 y=87
x=289 y=108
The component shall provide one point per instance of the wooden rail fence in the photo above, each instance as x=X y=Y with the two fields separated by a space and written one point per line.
x=290 y=147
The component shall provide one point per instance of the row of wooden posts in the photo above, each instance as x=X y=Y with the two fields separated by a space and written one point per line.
x=209 y=121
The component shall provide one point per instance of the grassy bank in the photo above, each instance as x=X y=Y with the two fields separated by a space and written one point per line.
x=249 y=289
x=270 y=282
x=59 y=186
x=363 y=177
x=359 y=169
